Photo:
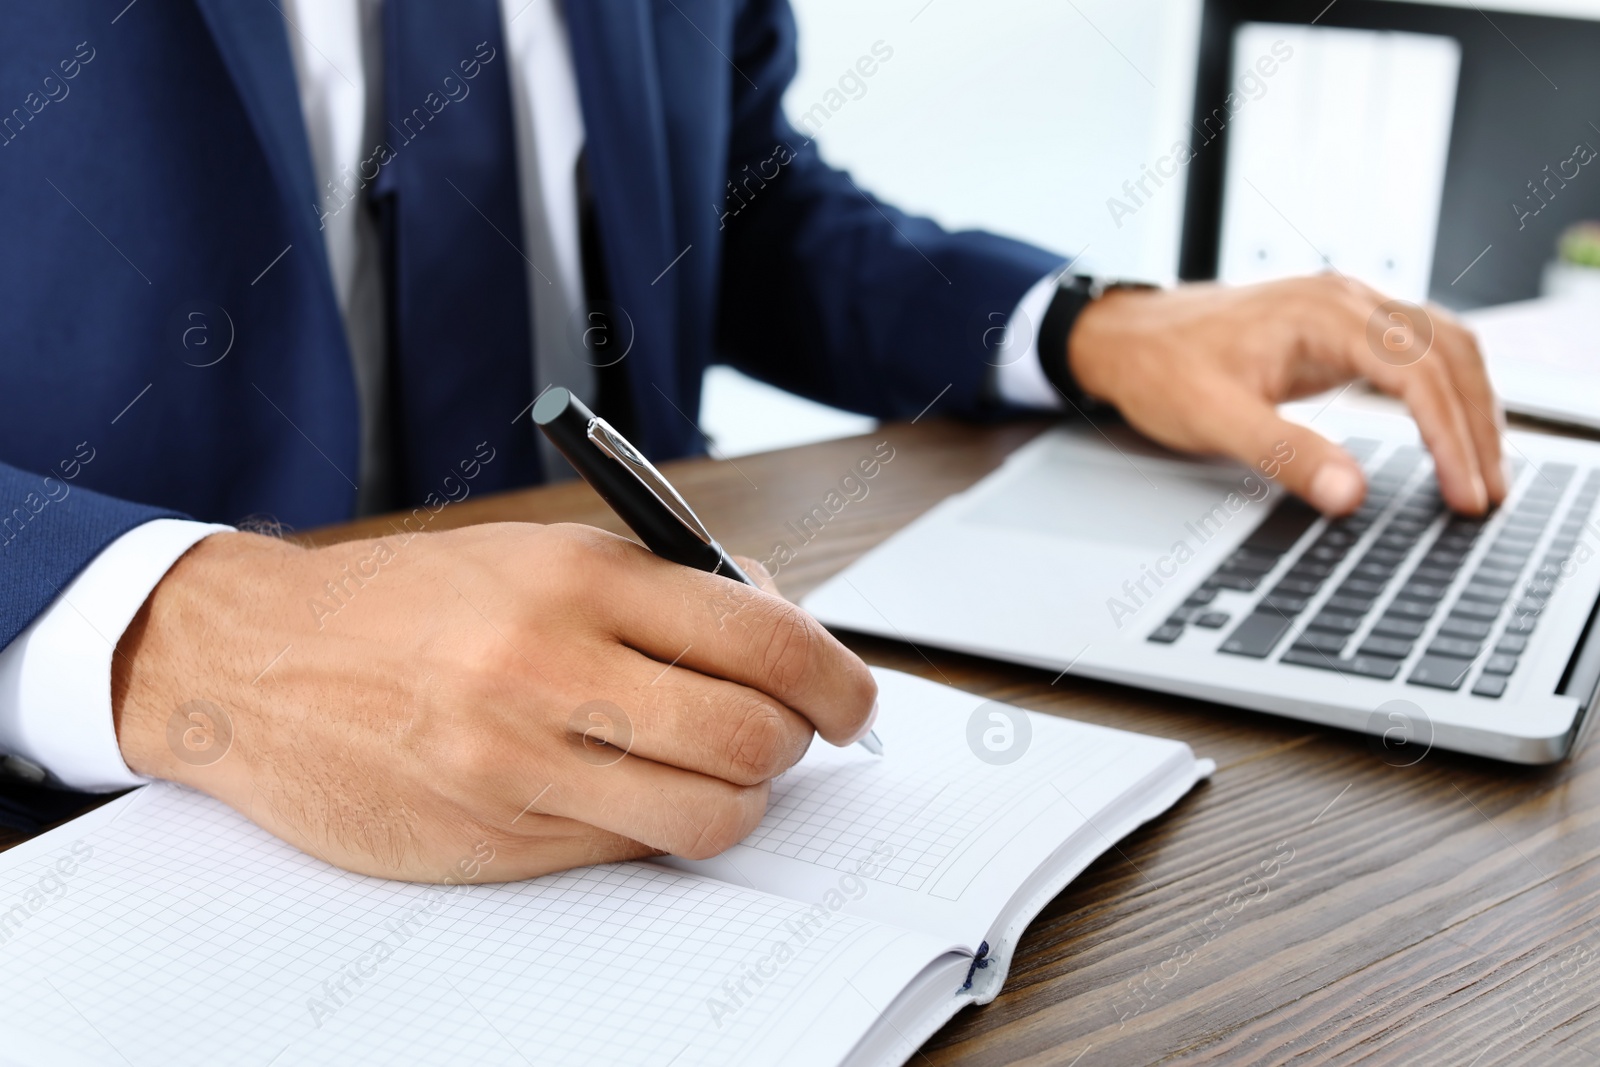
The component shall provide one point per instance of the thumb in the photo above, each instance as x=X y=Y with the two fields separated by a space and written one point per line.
x=1295 y=456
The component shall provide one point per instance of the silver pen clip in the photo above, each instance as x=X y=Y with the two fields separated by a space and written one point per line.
x=613 y=444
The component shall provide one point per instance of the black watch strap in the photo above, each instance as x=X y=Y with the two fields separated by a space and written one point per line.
x=1072 y=296
x=1074 y=292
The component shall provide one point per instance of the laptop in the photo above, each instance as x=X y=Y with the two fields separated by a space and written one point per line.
x=1093 y=552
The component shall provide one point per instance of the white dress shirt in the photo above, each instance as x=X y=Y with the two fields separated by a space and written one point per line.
x=55 y=678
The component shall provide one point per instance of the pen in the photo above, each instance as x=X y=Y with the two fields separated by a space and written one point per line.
x=637 y=492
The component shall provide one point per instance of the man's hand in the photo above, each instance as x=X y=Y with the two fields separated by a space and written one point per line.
x=391 y=705
x=1201 y=368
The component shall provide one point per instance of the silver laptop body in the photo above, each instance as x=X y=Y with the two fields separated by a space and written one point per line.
x=1094 y=552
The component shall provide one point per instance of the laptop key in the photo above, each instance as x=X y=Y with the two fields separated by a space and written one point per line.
x=1322 y=641
x=1243 y=583
x=1456 y=626
x=1310 y=657
x=1256 y=635
x=1424 y=591
x=1490 y=685
x=1282 y=527
x=1349 y=605
x=1391 y=647
x=1289 y=605
x=1489 y=594
x=1440 y=672
x=1335 y=623
x=1373 y=666
x=1212 y=620
x=1459 y=647
x=1166 y=633
x=1201 y=597
x=1512 y=644
x=1411 y=609
x=1395 y=626
x=1366 y=666
x=1436 y=575
x=1360 y=587
x=1500 y=664
x=1475 y=609
x=1522 y=624
x=1296 y=587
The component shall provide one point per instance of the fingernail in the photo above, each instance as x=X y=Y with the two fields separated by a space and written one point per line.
x=872 y=719
x=1480 y=492
x=1336 y=489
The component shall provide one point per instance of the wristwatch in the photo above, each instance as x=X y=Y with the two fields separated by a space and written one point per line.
x=1074 y=292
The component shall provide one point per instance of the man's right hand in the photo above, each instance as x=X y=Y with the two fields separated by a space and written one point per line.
x=389 y=705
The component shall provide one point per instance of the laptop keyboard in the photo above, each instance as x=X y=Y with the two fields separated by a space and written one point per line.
x=1381 y=605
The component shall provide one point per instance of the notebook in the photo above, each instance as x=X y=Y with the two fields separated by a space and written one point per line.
x=877 y=898
x=1542 y=357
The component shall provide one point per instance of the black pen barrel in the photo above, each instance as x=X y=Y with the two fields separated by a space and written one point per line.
x=565 y=420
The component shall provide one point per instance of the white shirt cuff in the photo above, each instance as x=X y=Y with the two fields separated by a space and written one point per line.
x=55 y=678
x=1019 y=377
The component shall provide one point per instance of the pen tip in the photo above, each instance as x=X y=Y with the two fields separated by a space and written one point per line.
x=871 y=743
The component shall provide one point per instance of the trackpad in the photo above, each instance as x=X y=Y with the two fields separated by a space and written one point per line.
x=1099 y=497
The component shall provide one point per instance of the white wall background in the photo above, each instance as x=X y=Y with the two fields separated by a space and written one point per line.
x=1021 y=116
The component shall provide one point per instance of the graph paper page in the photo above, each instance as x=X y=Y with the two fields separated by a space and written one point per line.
x=165 y=929
x=940 y=832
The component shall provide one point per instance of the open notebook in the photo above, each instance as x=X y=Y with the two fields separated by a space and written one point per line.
x=163 y=928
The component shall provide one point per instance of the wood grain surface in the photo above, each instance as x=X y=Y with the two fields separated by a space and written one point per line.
x=1312 y=903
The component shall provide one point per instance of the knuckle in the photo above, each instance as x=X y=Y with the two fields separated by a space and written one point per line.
x=760 y=746
x=573 y=544
x=486 y=669
x=466 y=754
x=790 y=648
x=725 y=823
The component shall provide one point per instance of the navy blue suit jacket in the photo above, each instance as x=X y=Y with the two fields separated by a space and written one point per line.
x=154 y=163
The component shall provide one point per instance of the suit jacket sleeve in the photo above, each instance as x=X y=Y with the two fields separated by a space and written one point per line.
x=831 y=293
x=50 y=529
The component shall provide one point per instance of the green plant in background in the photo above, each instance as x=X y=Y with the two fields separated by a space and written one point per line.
x=1581 y=244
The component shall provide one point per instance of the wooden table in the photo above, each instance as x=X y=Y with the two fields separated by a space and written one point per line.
x=1440 y=913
